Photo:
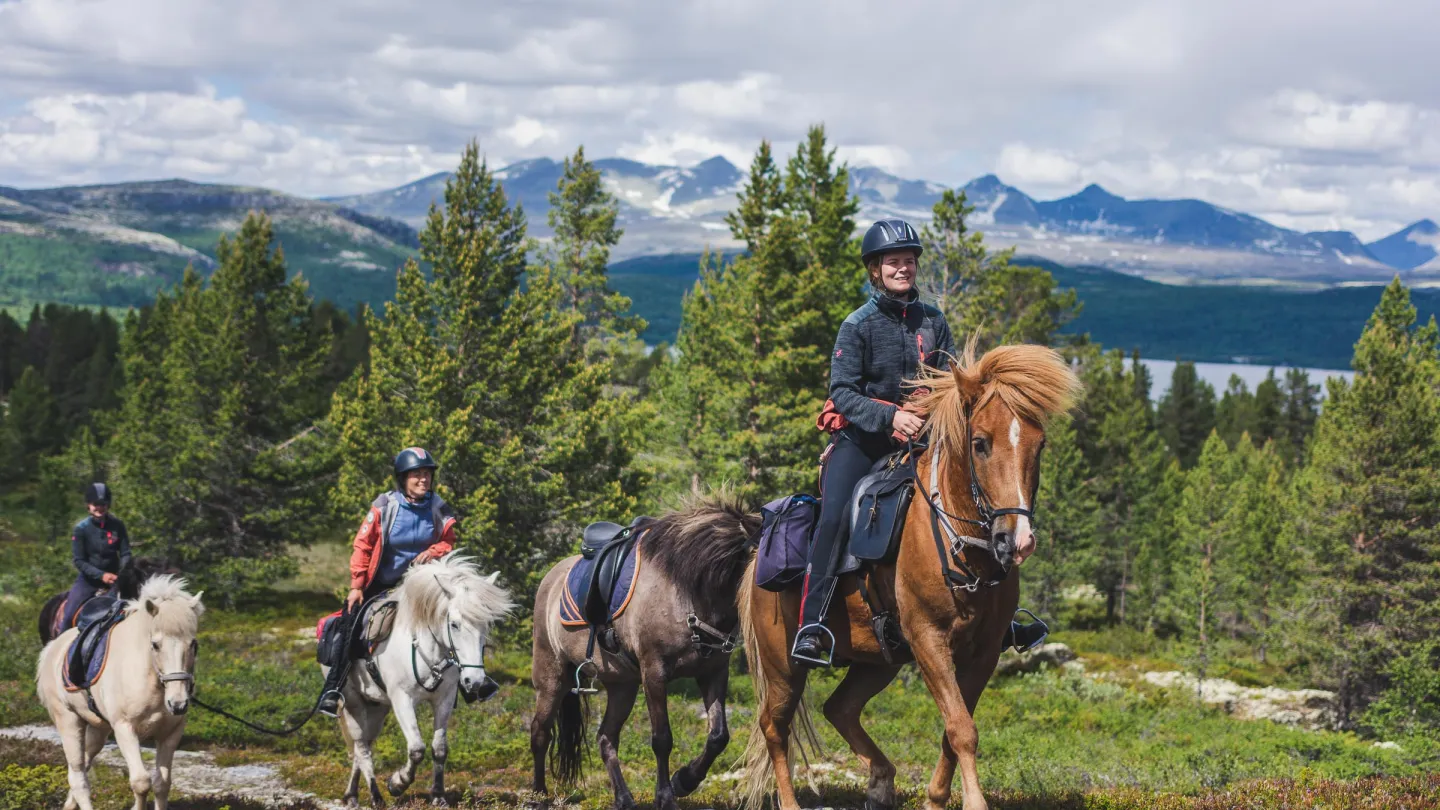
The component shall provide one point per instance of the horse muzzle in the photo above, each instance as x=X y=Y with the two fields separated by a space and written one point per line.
x=482 y=691
x=177 y=707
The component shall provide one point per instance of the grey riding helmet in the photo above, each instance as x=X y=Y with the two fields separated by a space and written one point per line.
x=891 y=233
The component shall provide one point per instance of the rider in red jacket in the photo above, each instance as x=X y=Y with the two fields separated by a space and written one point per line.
x=405 y=526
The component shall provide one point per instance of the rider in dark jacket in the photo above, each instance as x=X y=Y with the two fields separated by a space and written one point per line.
x=879 y=345
x=99 y=548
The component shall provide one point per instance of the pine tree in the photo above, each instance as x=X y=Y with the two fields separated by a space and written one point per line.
x=215 y=442
x=12 y=343
x=1066 y=553
x=1186 y=414
x=1269 y=405
x=582 y=215
x=483 y=371
x=756 y=333
x=1264 y=567
x=1237 y=412
x=1299 y=411
x=980 y=291
x=30 y=427
x=1369 y=506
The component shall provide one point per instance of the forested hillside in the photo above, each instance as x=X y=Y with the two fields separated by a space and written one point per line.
x=238 y=420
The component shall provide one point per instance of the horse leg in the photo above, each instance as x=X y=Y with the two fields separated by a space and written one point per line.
x=861 y=683
x=658 y=705
x=440 y=748
x=712 y=688
x=550 y=690
x=960 y=740
x=362 y=724
x=129 y=743
x=74 y=739
x=164 y=756
x=783 y=693
x=404 y=776
x=619 y=702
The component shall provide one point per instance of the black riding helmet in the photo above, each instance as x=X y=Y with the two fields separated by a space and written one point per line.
x=97 y=493
x=891 y=233
x=413 y=458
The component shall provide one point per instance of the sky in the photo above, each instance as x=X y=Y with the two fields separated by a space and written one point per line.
x=1313 y=114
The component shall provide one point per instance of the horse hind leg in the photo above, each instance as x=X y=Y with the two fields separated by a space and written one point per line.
x=843 y=709
x=550 y=691
x=713 y=688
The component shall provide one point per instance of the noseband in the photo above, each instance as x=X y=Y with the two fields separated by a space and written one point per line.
x=168 y=677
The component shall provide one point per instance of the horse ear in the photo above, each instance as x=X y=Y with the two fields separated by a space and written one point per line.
x=151 y=608
x=494 y=575
x=969 y=385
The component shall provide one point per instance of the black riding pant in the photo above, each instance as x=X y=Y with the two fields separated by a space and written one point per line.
x=852 y=454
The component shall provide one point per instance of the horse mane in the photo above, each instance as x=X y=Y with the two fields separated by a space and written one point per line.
x=431 y=589
x=703 y=545
x=1033 y=381
x=177 y=613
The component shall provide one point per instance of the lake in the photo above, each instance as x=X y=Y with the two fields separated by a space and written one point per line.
x=1218 y=375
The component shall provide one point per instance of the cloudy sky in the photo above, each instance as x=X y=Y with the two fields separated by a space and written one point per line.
x=1311 y=113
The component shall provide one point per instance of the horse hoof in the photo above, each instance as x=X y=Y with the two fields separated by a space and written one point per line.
x=397 y=785
x=439 y=801
x=684 y=784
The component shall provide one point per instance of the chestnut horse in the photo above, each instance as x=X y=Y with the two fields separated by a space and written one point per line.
x=950 y=592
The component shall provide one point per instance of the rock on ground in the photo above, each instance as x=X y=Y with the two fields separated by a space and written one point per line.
x=194 y=773
x=1053 y=655
x=1307 y=708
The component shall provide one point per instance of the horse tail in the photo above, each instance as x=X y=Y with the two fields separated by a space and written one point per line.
x=567 y=748
x=804 y=737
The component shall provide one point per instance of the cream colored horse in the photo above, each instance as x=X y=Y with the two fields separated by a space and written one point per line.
x=142 y=694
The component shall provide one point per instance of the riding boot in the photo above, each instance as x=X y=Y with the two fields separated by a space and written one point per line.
x=330 y=692
x=809 y=647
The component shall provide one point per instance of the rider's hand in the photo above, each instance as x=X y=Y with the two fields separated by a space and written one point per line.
x=907 y=423
x=353 y=600
x=108 y=579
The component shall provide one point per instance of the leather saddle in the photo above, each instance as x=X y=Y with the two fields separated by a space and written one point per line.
x=878 y=506
x=94 y=621
x=607 y=545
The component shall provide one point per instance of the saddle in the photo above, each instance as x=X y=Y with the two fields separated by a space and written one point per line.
x=94 y=622
x=356 y=633
x=606 y=545
x=877 y=519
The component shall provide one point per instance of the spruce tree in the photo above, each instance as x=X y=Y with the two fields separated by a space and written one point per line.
x=217 y=456
x=484 y=372
x=1066 y=553
x=1269 y=406
x=582 y=215
x=12 y=342
x=30 y=427
x=1299 y=411
x=1204 y=545
x=1186 y=414
x=1369 y=506
x=757 y=332
x=1237 y=412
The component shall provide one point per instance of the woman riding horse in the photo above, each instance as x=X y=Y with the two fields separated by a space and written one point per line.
x=407 y=525
x=99 y=548
x=880 y=344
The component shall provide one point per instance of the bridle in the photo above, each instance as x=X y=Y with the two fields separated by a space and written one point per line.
x=450 y=659
x=967 y=580
x=183 y=675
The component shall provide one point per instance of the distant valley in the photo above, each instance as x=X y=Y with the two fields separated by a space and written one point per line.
x=1235 y=287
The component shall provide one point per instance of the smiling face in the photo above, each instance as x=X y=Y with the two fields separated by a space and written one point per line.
x=1006 y=450
x=895 y=271
x=417 y=482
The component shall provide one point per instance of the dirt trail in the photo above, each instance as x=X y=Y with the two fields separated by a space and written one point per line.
x=195 y=773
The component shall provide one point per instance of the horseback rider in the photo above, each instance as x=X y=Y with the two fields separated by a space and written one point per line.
x=408 y=525
x=99 y=548
x=880 y=344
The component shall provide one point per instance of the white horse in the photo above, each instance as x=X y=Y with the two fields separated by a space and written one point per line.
x=142 y=694
x=436 y=649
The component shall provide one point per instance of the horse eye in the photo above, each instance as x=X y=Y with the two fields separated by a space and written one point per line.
x=979 y=444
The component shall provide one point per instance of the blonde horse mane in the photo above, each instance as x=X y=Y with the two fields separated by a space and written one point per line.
x=1035 y=382
x=176 y=613
x=431 y=589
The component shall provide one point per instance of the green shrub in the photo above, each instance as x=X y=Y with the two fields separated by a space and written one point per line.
x=32 y=788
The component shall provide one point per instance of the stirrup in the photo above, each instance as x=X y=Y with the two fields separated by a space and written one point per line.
x=585 y=690
x=319 y=704
x=819 y=662
x=1044 y=631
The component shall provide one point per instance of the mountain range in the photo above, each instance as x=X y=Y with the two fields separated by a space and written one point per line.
x=674 y=209
x=117 y=244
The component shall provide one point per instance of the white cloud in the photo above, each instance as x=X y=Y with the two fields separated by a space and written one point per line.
x=1279 y=108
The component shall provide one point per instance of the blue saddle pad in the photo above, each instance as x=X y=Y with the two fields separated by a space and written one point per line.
x=95 y=667
x=572 y=612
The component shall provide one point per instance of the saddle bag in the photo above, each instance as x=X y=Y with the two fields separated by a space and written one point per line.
x=786 y=526
x=877 y=517
x=333 y=640
x=379 y=622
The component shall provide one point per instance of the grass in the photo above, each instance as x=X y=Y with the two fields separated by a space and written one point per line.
x=1054 y=739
